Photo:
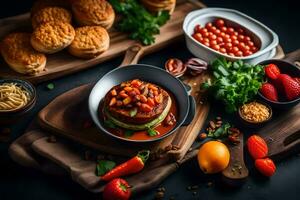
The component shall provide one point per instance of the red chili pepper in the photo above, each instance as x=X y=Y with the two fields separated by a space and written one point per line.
x=131 y=166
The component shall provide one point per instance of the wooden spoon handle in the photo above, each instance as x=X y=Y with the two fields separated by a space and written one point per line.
x=236 y=170
x=132 y=55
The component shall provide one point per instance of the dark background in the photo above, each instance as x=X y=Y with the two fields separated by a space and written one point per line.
x=17 y=182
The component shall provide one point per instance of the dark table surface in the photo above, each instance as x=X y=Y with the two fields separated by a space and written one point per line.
x=17 y=182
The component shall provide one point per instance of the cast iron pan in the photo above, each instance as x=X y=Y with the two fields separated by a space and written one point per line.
x=149 y=73
x=290 y=64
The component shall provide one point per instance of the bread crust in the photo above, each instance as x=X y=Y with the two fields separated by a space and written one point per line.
x=51 y=14
x=20 y=56
x=93 y=12
x=89 y=42
x=52 y=37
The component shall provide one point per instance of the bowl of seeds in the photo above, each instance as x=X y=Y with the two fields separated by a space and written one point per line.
x=255 y=113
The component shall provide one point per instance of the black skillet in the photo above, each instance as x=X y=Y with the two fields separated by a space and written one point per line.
x=129 y=70
x=290 y=65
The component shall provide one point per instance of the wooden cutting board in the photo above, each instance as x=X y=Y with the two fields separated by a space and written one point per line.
x=62 y=63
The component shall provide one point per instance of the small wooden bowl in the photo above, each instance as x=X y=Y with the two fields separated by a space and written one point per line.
x=252 y=124
x=8 y=117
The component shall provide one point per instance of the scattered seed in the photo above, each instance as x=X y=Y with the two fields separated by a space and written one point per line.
x=194 y=193
x=172 y=198
x=195 y=187
x=159 y=195
x=218 y=118
x=202 y=136
x=210 y=184
x=189 y=188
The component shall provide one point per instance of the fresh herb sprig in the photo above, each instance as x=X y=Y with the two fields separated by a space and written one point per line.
x=234 y=83
x=137 y=21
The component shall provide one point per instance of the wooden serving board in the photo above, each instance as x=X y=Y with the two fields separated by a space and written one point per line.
x=62 y=63
x=67 y=116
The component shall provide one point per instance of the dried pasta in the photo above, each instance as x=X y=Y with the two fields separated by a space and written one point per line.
x=12 y=97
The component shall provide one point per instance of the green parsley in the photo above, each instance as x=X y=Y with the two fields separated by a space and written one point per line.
x=152 y=132
x=137 y=21
x=235 y=83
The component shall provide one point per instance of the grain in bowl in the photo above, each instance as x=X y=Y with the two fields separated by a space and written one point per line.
x=255 y=112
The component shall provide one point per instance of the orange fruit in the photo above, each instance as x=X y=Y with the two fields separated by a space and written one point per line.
x=213 y=157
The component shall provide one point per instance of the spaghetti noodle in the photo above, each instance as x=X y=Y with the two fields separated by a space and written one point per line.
x=12 y=97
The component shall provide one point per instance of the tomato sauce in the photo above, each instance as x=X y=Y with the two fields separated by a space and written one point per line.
x=161 y=129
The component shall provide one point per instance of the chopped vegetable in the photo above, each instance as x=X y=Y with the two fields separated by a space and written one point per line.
x=133 y=112
x=104 y=166
x=235 y=83
x=50 y=86
x=152 y=132
x=132 y=166
x=128 y=133
x=137 y=21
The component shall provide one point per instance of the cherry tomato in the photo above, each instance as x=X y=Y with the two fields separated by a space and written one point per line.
x=223 y=50
x=219 y=40
x=220 y=23
x=224 y=29
x=231 y=54
x=227 y=40
x=248 y=53
x=254 y=49
x=239 y=54
x=208 y=25
x=212 y=37
x=213 y=42
x=206 y=34
x=197 y=36
x=228 y=46
x=240 y=30
x=241 y=45
x=206 y=44
x=213 y=28
x=197 y=28
x=205 y=39
x=241 y=38
x=247 y=38
x=234 y=50
x=217 y=32
x=250 y=43
x=215 y=47
x=235 y=42
x=233 y=37
x=246 y=48
x=230 y=30
x=222 y=34
x=203 y=30
x=235 y=33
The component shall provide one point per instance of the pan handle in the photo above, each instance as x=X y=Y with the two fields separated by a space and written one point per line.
x=132 y=55
x=293 y=57
x=192 y=111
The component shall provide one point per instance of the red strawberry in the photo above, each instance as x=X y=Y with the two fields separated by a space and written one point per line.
x=272 y=71
x=269 y=91
x=291 y=86
x=265 y=166
x=297 y=79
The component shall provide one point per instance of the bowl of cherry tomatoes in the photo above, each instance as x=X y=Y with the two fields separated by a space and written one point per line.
x=215 y=32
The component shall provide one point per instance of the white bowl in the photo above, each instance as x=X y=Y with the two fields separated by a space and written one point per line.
x=262 y=35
